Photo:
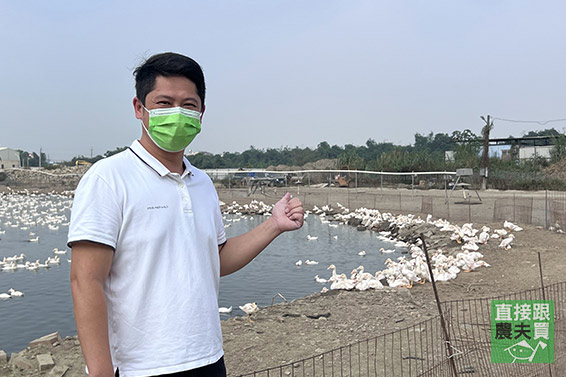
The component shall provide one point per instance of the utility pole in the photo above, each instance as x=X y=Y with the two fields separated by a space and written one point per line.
x=485 y=153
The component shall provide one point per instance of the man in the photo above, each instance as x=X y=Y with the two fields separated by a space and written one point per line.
x=148 y=242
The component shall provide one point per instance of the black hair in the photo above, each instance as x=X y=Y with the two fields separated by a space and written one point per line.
x=168 y=64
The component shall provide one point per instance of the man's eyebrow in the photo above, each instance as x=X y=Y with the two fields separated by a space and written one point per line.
x=164 y=96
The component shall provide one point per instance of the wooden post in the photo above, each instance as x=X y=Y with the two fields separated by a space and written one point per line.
x=485 y=153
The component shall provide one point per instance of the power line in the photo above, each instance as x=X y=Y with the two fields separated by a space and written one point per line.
x=541 y=122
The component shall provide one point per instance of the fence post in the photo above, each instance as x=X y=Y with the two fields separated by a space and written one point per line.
x=514 y=208
x=545 y=209
x=413 y=182
x=442 y=321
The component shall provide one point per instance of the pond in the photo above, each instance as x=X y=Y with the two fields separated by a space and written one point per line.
x=47 y=304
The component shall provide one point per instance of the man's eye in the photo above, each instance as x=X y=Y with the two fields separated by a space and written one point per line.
x=163 y=103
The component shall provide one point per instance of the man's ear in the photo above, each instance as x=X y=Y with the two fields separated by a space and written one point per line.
x=202 y=112
x=138 y=108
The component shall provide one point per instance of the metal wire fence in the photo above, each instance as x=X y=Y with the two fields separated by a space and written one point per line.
x=421 y=350
x=539 y=208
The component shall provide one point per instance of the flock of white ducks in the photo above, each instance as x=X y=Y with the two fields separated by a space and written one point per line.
x=26 y=211
x=405 y=270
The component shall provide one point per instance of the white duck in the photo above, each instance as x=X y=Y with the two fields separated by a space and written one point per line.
x=15 y=293
x=224 y=310
x=311 y=238
x=249 y=308
x=506 y=242
x=334 y=276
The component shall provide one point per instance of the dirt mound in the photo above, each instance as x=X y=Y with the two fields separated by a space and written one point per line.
x=557 y=170
x=324 y=164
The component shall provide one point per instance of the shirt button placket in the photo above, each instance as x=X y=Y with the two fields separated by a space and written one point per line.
x=187 y=202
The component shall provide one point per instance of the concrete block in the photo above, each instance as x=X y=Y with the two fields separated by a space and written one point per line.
x=3 y=357
x=21 y=363
x=58 y=371
x=45 y=362
x=48 y=340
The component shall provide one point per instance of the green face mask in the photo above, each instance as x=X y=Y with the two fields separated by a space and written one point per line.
x=172 y=129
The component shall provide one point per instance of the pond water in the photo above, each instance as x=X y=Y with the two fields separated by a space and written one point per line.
x=47 y=304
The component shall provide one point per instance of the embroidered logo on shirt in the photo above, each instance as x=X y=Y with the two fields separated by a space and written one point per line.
x=158 y=207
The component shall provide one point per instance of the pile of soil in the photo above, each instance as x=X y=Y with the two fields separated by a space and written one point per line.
x=557 y=170
x=324 y=164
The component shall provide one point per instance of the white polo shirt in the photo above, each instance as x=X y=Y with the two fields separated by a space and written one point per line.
x=162 y=290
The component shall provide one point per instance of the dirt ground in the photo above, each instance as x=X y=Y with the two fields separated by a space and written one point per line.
x=320 y=322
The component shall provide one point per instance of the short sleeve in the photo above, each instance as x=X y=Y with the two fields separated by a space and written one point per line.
x=219 y=223
x=96 y=215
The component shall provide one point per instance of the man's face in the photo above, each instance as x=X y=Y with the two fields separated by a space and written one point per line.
x=174 y=91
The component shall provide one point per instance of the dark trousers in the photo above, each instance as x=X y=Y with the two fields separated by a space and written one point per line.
x=218 y=369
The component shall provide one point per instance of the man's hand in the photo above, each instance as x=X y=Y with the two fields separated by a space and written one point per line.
x=288 y=213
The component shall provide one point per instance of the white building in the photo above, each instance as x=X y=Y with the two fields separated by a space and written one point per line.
x=526 y=153
x=9 y=158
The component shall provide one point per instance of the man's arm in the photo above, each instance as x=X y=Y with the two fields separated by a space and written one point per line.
x=287 y=214
x=89 y=268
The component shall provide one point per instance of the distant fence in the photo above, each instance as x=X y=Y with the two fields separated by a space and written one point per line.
x=420 y=350
x=539 y=208
x=414 y=192
x=352 y=178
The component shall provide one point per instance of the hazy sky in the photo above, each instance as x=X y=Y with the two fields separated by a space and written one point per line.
x=281 y=73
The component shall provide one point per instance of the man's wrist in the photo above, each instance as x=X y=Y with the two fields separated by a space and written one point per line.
x=272 y=227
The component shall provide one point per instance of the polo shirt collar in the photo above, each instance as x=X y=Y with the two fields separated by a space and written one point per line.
x=154 y=163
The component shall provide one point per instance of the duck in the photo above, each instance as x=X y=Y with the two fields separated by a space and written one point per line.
x=298 y=263
x=15 y=293
x=225 y=310
x=320 y=280
x=386 y=251
x=311 y=262
x=509 y=225
x=506 y=242
x=334 y=276
x=362 y=253
x=9 y=267
x=311 y=238
x=36 y=239
x=249 y=308
x=484 y=237
x=5 y=296
x=342 y=282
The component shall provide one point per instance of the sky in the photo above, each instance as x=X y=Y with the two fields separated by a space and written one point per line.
x=281 y=73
